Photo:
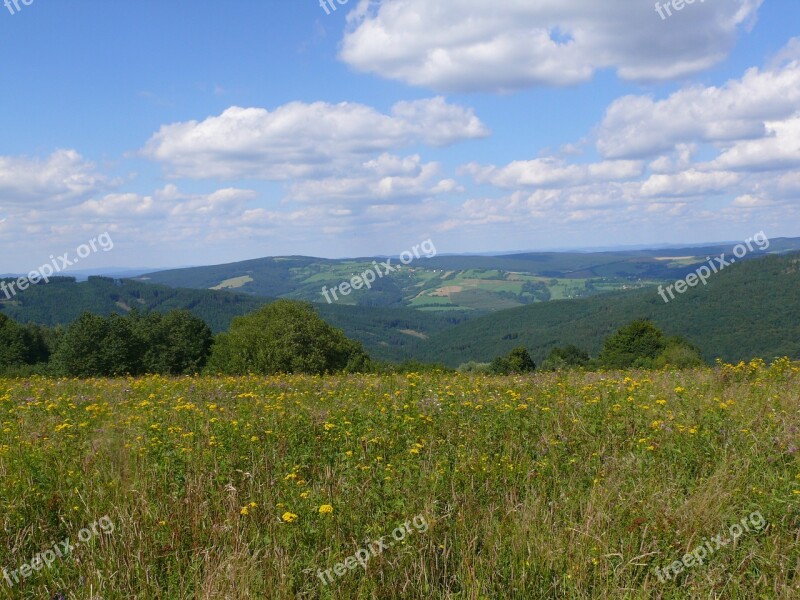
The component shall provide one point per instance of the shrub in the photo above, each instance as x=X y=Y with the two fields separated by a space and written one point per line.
x=285 y=337
x=516 y=362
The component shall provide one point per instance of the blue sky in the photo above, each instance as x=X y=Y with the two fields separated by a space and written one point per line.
x=208 y=132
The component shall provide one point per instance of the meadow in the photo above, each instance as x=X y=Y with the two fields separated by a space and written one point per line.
x=554 y=485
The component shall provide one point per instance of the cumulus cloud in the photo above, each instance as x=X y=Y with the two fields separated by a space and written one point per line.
x=386 y=179
x=689 y=183
x=600 y=203
x=551 y=172
x=63 y=177
x=778 y=149
x=300 y=140
x=166 y=216
x=734 y=147
x=474 y=45
x=171 y=214
x=676 y=161
x=168 y=202
x=640 y=126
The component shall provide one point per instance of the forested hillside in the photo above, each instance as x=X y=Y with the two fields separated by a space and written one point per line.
x=461 y=283
x=749 y=310
x=388 y=334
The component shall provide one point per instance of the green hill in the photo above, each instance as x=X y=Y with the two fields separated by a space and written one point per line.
x=388 y=334
x=751 y=309
x=470 y=284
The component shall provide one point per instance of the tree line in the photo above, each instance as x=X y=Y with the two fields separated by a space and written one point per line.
x=638 y=345
x=282 y=337
x=285 y=336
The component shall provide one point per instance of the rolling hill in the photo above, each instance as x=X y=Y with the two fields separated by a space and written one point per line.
x=751 y=309
x=472 y=284
x=387 y=334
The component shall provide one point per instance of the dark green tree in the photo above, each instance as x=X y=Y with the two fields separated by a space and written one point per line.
x=95 y=346
x=679 y=354
x=20 y=345
x=515 y=362
x=634 y=345
x=285 y=337
x=177 y=343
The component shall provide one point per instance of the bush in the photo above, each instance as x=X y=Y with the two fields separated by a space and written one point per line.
x=177 y=343
x=285 y=337
x=635 y=345
x=641 y=345
x=566 y=358
x=21 y=346
x=95 y=346
x=679 y=354
x=516 y=362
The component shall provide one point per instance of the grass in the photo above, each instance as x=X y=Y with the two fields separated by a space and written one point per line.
x=233 y=283
x=550 y=486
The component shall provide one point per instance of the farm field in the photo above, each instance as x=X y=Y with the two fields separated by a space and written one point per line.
x=573 y=485
x=428 y=283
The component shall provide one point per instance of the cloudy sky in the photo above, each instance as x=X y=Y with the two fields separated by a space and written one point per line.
x=206 y=132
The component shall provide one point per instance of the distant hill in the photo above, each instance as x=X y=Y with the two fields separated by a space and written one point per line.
x=64 y=299
x=473 y=284
x=751 y=309
x=388 y=334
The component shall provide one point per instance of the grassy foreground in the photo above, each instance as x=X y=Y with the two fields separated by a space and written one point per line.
x=549 y=486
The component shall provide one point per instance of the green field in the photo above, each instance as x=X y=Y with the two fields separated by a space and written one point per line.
x=546 y=486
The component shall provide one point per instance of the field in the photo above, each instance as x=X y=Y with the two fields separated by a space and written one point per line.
x=460 y=284
x=550 y=486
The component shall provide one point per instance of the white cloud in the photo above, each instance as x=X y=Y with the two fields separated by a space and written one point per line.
x=689 y=183
x=679 y=160
x=749 y=201
x=166 y=203
x=64 y=177
x=299 y=140
x=779 y=149
x=385 y=179
x=137 y=221
x=470 y=45
x=639 y=126
x=552 y=172
x=554 y=207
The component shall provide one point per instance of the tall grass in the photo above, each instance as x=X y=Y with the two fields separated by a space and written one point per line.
x=548 y=486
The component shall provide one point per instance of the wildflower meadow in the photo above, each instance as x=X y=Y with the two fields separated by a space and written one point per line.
x=552 y=485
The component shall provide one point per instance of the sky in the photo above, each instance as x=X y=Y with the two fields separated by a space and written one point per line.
x=200 y=132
